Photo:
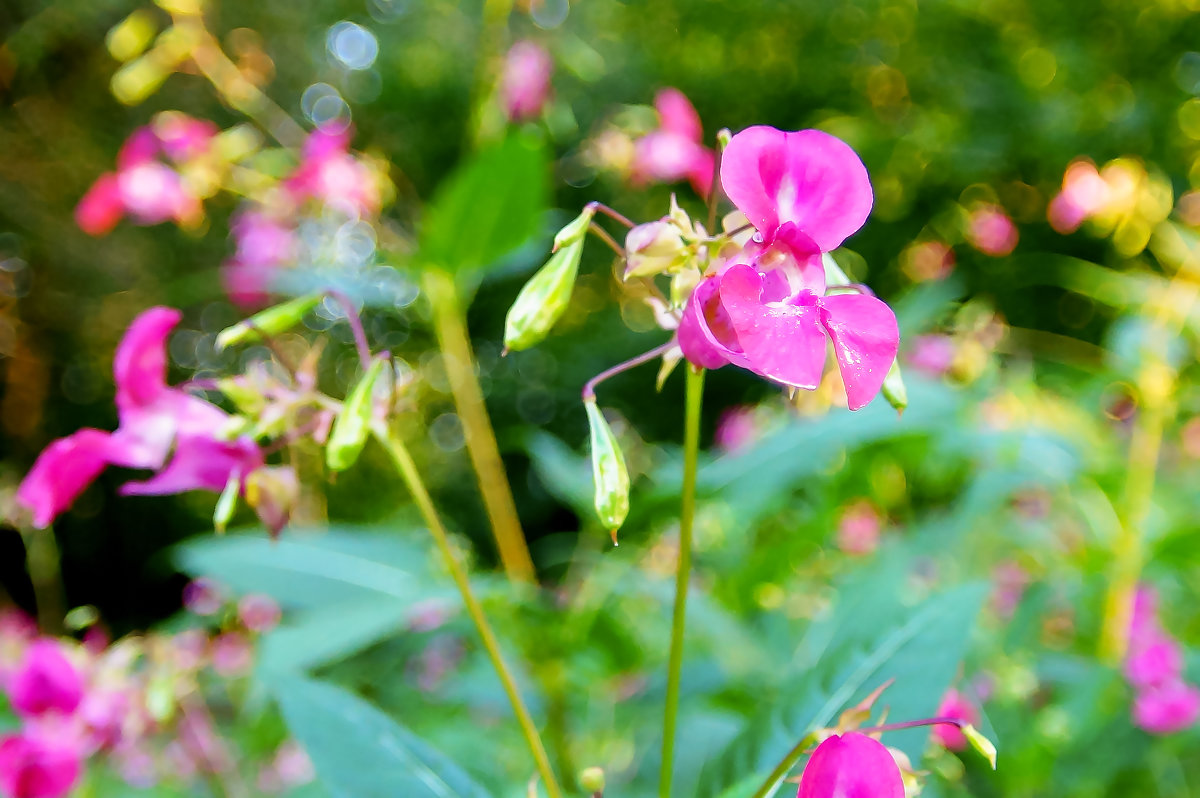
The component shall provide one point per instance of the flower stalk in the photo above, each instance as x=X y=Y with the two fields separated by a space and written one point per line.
x=691 y=453
x=408 y=472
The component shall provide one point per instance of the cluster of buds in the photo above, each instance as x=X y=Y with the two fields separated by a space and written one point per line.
x=135 y=703
x=762 y=294
x=193 y=444
x=1163 y=703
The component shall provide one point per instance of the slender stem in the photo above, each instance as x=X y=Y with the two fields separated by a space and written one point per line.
x=45 y=574
x=714 y=190
x=784 y=767
x=913 y=724
x=691 y=452
x=603 y=235
x=452 y=337
x=412 y=479
x=356 y=326
x=589 y=387
x=612 y=214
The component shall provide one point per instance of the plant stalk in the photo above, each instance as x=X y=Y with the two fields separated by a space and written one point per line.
x=451 y=330
x=784 y=767
x=45 y=574
x=412 y=480
x=687 y=514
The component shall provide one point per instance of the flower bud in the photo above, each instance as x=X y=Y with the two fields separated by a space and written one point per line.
x=227 y=502
x=653 y=248
x=592 y=780
x=576 y=230
x=543 y=300
x=980 y=743
x=609 y=473
x=893 y=388
x=271 y=321
x=349 y=433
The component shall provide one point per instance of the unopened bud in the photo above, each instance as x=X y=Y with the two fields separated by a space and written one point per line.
x=543 y=300
x=138 y=79
x=592 y=780
x=576 y=230
x=893 y=388
x=353 y=424
x=679 y=216
x=980 y=743
x=227 y=502
x=609 y=473
x=653 y=248
x=130 y=37
x=272 y=321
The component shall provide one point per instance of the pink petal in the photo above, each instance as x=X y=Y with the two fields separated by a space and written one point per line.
x=46 y=681
x=808 y=177
x=851 y=765
x=525 y=85
x=677 y=115
x=781 y=340
x=37 y=767
x=62 y=472
x=954 y=705
x=154 y=192
x=790 y=264
x=1167 y=709
x=666 y=157
x=140 y=362
x=700 y=175
x=248 y=285
x=201 y=462
x=101 y=207
x=865 y=341
x=1154 y=661
x=184 y=137
x=141 y=147
x=705 y=333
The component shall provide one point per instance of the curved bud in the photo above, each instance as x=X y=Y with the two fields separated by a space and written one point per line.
x=353 y=424
x=653 y=248
x=272 y=321
x=609 y=473
x=576 y=230
x=543 y=300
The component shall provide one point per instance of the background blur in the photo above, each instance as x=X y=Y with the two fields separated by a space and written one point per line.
x=1007 y=464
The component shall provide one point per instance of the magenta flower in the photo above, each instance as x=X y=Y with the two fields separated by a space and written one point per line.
x=36 y=767
x=851 y=765
x=329 y=174
x=1168 y=708
x=155 y=420
x=46 y=681
x=1154 y=661
x=675 y=150
x=259 y=613
x=954 y=705
x=525 y=84
x=264 y=245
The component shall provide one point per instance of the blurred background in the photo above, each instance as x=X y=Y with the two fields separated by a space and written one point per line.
x=1027 y=328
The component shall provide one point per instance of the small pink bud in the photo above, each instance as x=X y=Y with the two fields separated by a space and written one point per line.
x=259 y=613
x=46 y=681
x=32 y=767
x=956 y=706
x=525 y=86
x=851 y=765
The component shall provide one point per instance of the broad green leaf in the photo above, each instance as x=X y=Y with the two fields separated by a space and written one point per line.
x=359 y=752
x=489 y=207
x=324 y=636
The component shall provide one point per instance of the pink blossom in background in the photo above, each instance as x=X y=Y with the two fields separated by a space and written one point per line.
x=859 y=527
x=1009 y=581
x=525 y=83
x=1168 y=708
x=264 y=244
x=203 y=597
x=675 y=150
x=736 y=428
x=928 y=260
x=1084 y=194
x=1190 y=438
x=259 y=613
x=1154 y=662
x=991 y=231
x=851 y=765
x=954 y=705
x=330 y=174
x=232 y=655
x=933 y=354
x=101 y=208
x=35 y=767
x=46 y=681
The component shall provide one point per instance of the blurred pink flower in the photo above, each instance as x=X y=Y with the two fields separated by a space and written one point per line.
x=991 y=231
x=928 y=260
x=259 y=613
x=101 y=208
x=203 y=596
x=1009 y=581
x=292 y=765
x=264 y=245
x=954 y=705
x=232 y=654
x=1084 y=194
x=1154 y=661
x=858 y=529
x=329 y=174
x=675 y=150
x=46 y=681
x=525 y=84
x=35 y=767
x=933 y=354
x=851 y=765
x=1168 y=708
x=736 y=428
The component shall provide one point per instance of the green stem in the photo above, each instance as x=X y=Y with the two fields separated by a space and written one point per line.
x=687 y=514
x=784 y=767
x=451 y=329
x=412 y=479
x=45 y=574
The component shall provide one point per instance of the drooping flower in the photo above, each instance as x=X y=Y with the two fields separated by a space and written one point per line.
x=954 y=705
x=35 y=766
x=675 y=150
x=851 y=765
x=154 y=421
x=46 y=681
x=525 y=83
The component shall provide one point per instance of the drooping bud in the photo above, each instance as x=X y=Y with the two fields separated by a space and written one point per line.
x=227 y=502
x=609 y=474
x=543 y=300
x=353 y=424
x=654 y=248
x=893 y=388
x=980 y=743
x=576 y=230
x=272 y=321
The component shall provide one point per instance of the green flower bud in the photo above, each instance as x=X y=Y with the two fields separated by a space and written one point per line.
x=543 y=300
x=893 y=388
x=227 y=502
x=271 y=321
x=592 y=780
x=353 y=424
x=609 y=473
x=980 y=743
x=576 y=230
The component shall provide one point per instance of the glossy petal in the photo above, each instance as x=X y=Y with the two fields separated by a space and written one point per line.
x=780 y=340
x=46 y=681
x=140 y=362
x=807 y=177
x=62 y=472
x=865 y=341
x=37 y=767
x=101 y=207
x=200 y=462
x=851 y=765
x=677 y=115
x=705 y=333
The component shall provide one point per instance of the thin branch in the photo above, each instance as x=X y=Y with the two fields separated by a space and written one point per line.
x=356 y=326
x=603 y=235
x=607 y=211
x=589 y=387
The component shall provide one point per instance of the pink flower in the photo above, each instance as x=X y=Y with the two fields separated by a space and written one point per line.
x=1010 y=581
x=101 y=207
x=153 y=193
x=33 y=767
x=991 y=231
x=956 y=706
x=1153 y=662
x=858 y=528
x=154 y=419
x=259 y=613
x=933 y=354
x=851 y=765
x=675 y=150
x=203 y=597
x=1084 y=194
x=1167 y=708
x=770 y=315
x=736 y=428
x=46 y=681
x=232 y=654
x=525 y=85
x=265 y=245
x=329 y=174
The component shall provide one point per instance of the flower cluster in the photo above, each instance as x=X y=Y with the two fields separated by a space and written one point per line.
x=1163 y=703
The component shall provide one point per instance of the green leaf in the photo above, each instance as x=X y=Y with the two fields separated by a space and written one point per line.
x=359 y=752
x=489 y=207
x=920 y=650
